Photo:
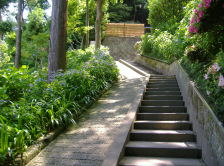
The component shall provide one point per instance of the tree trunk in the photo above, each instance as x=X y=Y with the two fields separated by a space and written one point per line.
x=0 y=15
x=99 y=15
x=87 y=24
x=1 y=35
x=57 y=51
x=19 y=33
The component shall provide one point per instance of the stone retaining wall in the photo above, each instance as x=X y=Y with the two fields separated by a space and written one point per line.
x=209 y=130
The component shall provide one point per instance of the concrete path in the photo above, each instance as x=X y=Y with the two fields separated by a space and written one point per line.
x=87 y=144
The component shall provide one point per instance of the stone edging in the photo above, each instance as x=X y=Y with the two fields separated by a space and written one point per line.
x=209 y=130
x=116 y=150
x=42 y=142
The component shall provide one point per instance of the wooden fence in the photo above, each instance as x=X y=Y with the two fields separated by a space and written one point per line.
x=125 y=30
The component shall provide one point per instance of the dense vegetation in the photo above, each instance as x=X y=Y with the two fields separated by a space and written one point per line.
x=129 y=11
x=193 y=33
x=30 y=107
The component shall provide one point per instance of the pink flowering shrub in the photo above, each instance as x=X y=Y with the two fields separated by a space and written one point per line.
x=207 y=15
x=199 y=13
x=215 y=75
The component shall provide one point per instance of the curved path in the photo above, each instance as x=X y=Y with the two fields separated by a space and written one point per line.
x=87 y=144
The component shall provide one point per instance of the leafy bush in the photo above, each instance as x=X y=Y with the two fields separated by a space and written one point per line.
x=166 y=14
x=30 y=107
x=161 y=45
x=4 y=57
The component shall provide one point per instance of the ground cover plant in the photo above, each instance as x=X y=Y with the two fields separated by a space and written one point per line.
x=193 y=33
x=30 y=107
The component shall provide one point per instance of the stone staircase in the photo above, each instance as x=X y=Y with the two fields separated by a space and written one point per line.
x=162 y=133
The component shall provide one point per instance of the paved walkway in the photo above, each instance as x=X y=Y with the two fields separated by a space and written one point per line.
x=87 y=144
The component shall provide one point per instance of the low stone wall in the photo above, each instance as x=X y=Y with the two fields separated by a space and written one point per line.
x=209 y=130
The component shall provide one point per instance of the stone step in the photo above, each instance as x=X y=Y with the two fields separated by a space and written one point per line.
x=162 y=125
x=162 y=85
x=159 y=161
x=162 y=78
x=163 y=116
x=162 y=103
x=162 y=109
x=153 y=81
x=162 y=89
x=162 y=93
x=162 y=97
x=163 y=135
x=163 y=149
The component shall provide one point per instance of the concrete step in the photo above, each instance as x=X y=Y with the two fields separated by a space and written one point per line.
x=162 y=97
x=162 y=93
x=162 y=82
x=163 y=116
x=163 y=149
x=162 y=85
x=162 y=109
x=159 y=161
x=162 y=78
x=162 y=103
x=162 y=89
x=162 y=125
x=163 y=135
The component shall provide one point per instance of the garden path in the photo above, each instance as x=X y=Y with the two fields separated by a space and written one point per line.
x=87 y=144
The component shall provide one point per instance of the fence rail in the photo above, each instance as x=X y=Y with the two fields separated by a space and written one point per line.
x=125 y=30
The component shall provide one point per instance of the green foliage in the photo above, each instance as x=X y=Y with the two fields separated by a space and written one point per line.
x=10 y=39
x=166 y=14
x=76 y=22
x=35 y=44
x=119 y=12
x=5 y=3
x=4 y=56
x=161 y=45
x=30 y=107
x=5 y=26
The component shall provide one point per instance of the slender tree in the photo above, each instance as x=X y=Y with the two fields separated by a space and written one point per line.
x=99 y=16
x=87 y=23
x=19 y=33
x=57 y=52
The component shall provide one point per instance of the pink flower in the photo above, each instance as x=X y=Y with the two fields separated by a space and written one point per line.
x=192 y=20
x=216 y=67
x=206 y=76
x=221 y=81
x=200 y=5
x=196 y=11
x=198 y=19
x=207 y=3
x=192 y=29
x=201 y=14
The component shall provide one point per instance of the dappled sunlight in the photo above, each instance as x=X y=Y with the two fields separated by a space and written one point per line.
x=126 y=72
x=92 y=138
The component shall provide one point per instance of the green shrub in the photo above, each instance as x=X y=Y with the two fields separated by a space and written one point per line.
x=166 y=14
x=161 y=45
